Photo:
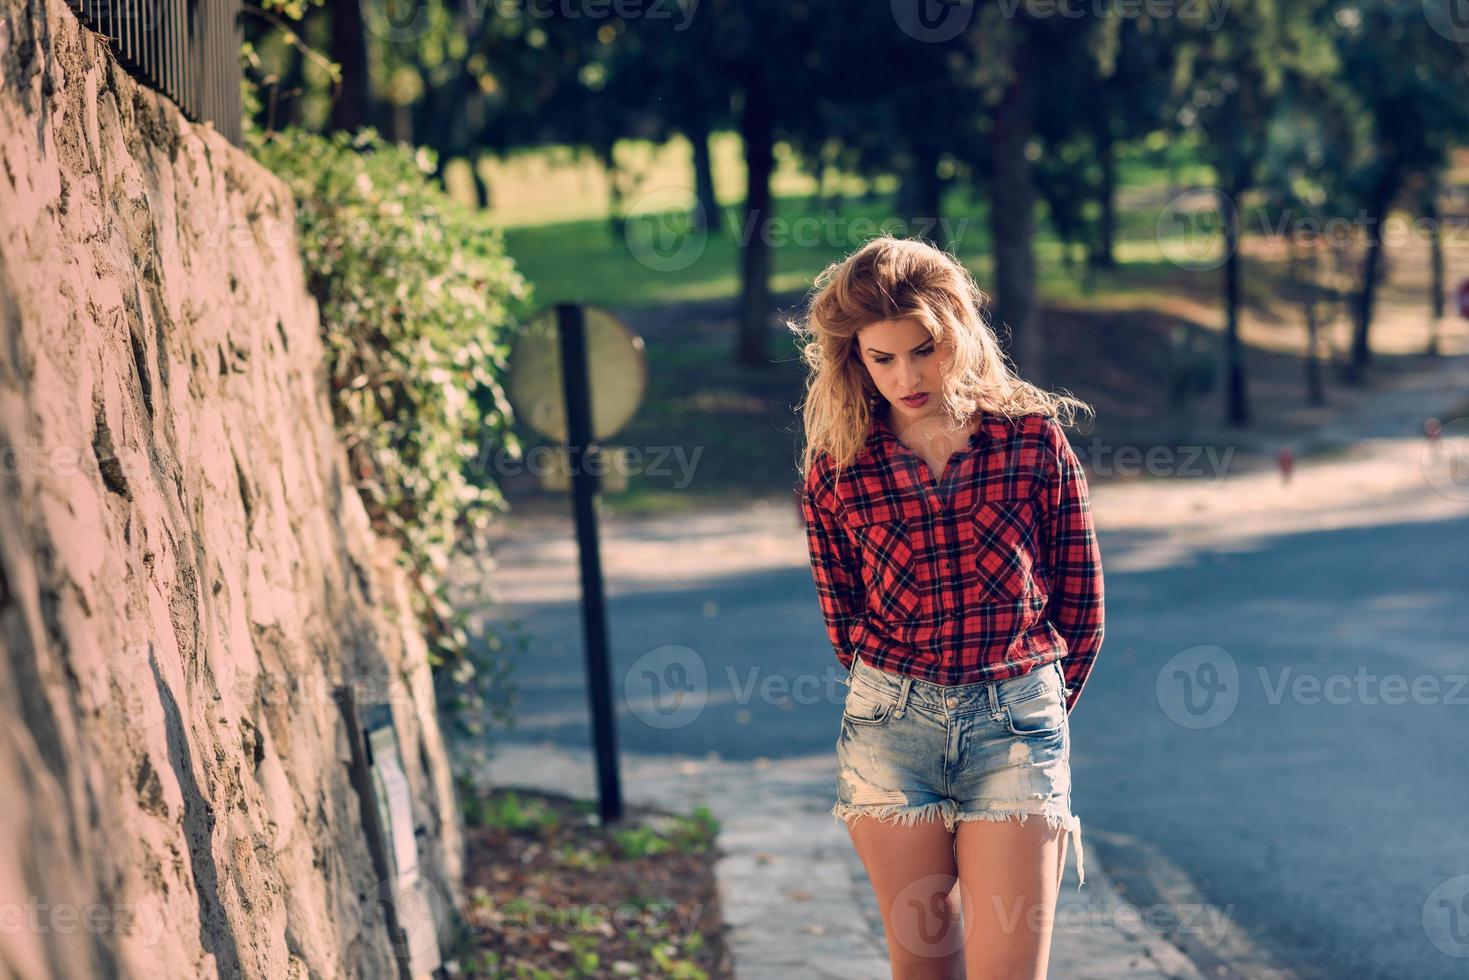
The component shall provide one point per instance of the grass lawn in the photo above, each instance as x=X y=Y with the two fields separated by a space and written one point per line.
x=553 y=205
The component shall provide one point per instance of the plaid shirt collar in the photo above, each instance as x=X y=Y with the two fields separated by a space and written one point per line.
x=882 y=439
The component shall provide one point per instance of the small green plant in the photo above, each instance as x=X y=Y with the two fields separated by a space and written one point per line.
x=697 y=831
x=517 y=908
x=507 y=811
x=639 y=842
x=670 y=961
x=586 y=960
x=692 y=834
x=585 y=858
x=486 y=961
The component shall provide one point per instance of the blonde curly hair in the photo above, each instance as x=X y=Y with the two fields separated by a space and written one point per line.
x=891 y=278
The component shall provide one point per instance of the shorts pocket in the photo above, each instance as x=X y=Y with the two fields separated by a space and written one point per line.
x=1038 y=716
x=865 y=706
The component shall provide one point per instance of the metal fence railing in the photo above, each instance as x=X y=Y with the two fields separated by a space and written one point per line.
x=187 y=49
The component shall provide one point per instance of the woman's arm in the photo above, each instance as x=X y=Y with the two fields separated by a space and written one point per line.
x=1076 y=598
x=835 y=566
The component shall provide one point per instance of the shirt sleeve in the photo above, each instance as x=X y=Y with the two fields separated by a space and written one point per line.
x=835 y=565
x=1076 y=603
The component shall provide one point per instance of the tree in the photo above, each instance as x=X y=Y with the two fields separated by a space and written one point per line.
x=348 y=48
x=1316 y=120
x=1232 y=75
x=1012 y=206
x=1413 y=81
x=1101 y=90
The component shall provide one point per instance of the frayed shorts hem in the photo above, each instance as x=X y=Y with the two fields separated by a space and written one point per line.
x=906 y=814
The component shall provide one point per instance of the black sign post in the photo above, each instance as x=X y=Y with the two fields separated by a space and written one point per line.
x=581 y=448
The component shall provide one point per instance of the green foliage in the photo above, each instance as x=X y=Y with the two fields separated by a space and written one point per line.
x=666 y=956
x=418 y=302
x=693 y=834
x=279 y=40
x=506 y=811
x=585 y=858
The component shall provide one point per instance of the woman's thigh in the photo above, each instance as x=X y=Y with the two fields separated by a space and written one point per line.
x=913 y=873
x=890 y=793
x=1009 y=881
x=1012 y=788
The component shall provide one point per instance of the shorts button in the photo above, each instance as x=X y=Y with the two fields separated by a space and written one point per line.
x=953 y=702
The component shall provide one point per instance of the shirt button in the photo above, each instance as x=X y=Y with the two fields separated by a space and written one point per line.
x=953 y=702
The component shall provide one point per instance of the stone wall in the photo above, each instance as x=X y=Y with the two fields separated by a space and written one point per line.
x=186 y=571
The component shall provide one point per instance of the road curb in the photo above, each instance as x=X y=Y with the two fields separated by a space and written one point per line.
x=1149 y=880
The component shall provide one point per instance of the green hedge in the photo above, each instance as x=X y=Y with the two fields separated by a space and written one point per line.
x=418 y=305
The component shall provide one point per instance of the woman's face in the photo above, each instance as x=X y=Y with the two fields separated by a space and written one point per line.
x=903 y=360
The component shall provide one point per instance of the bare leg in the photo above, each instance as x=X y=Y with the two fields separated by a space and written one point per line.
x=913 y=874
x=1009 y=880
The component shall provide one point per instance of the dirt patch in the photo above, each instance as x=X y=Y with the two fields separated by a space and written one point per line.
x=551 y=892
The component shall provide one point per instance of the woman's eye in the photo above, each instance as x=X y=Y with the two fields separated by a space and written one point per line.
x=883 y=360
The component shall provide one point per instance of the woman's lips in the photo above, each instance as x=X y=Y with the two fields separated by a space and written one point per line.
x=916 y=400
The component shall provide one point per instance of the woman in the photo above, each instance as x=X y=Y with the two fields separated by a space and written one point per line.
x=959 y=577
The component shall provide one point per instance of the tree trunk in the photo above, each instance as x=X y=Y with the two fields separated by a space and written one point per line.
x=283 y=101
x=482 y=194
x=348 y=48
x=1384 y=190
x=1237 y=408
x=926 y=218
x=1012 y=221
x=819 y=173
x=1104 y=256
x=616 y=220
x=757 y=128
x=1435 y=264
x=708 y=209
x=402 y=124
x=1306 y=270
x=832 y=194
x=446 y=120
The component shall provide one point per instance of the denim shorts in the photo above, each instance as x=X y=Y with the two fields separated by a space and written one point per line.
x=984 y=751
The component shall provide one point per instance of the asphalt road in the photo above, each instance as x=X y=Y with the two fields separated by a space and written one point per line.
x=1323 y=790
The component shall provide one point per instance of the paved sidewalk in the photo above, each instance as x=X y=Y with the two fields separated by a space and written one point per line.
x=795 y=899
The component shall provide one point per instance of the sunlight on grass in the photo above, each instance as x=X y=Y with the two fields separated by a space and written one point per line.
x=553 y=185
x=554 y=203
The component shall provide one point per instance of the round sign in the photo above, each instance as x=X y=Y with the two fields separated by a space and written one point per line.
x=616 y=368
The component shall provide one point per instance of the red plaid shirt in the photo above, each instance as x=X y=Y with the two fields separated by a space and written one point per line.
x=983 y=576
